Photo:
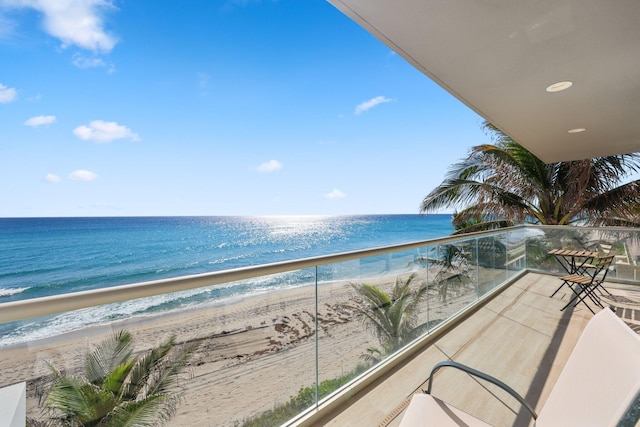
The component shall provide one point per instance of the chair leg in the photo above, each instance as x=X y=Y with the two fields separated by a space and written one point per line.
x=588 y=293
x=599 y=285
x=575 y=296
x=578 y=299
x=560 y=287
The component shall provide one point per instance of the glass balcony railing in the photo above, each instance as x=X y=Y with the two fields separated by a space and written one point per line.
x=271 y=342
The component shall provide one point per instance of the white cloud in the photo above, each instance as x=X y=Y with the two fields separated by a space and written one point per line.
x=7 y=94
x=270 y=166
x=203 y=79
x=335 y=194
x=74 y=22
x=367 y=105
x=83 y=175
x=84 y=62
x=101 y=131
x=231 y=4
x=54 y=179
x=40 y=120
x=7 y=26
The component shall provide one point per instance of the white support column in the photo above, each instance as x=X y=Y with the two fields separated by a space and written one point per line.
x=13 y=405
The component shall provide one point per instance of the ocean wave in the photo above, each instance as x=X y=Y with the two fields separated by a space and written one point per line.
x=94 y=253
x=50 y=326
x=11 y=291
x=231 y=258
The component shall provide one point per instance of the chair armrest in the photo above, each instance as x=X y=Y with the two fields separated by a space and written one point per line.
x=483 y=376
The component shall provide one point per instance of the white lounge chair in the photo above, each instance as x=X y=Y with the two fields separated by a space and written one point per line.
x=597 y=387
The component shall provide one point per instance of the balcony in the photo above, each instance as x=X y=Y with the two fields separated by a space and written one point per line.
x=487 y=305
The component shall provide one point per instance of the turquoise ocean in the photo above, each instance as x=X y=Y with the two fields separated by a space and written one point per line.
x=50 y=256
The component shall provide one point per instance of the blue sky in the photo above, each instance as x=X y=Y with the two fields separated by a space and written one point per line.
x=244 y=107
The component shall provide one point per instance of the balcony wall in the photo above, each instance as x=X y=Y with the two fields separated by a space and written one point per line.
x=281 y=338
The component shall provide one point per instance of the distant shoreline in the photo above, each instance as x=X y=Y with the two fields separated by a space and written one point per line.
x=224 y=216
x=272 y=333
x=267 y=340
x=52 y=257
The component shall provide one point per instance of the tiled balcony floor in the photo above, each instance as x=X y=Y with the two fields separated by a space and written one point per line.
x=520 y=337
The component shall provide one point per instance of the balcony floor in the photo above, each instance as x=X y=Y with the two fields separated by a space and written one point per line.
x=520 y=337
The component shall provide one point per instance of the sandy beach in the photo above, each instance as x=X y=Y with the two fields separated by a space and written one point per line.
x=255 y=353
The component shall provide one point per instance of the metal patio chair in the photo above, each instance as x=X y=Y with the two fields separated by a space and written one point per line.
x=586 y=281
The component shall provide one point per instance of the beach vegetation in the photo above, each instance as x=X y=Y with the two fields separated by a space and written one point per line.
x=303 y=400
x=452 y=269
x=393 y=316
x=503 y=183
x=117 y=387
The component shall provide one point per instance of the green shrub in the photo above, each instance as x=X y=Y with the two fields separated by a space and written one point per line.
x=305 y=399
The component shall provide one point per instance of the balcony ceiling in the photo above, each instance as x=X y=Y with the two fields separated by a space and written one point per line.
x=499 y=56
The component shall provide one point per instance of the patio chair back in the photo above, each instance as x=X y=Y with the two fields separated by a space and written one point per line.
x=599 y=269
x=601 y=379
x=584 y=283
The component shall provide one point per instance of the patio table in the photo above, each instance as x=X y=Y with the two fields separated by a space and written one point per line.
x=573 y=261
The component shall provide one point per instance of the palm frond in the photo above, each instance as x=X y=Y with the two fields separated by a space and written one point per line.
x=506 y=182
x=112 y=352
x=116 y=379
x=484 y=226
x=164 y=378
x=120 y=389
x=145 y=367
x=72 y=396
x=150 y=412
x=391 y=315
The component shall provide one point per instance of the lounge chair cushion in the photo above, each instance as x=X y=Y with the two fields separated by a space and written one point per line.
x=596 y=387
x=600 y=379
x=426 y=410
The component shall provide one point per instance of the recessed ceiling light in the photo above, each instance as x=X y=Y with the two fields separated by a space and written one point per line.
x=557 y=87
x=577 y=130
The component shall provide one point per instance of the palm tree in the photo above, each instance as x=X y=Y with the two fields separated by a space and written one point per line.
x=502 y=184
x=393 y=316
x=118 y=388
x=621 y=219
x=453 y=268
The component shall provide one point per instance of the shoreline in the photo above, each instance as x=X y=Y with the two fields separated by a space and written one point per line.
x=262 y=346
x=141 y=319
x=270 y=334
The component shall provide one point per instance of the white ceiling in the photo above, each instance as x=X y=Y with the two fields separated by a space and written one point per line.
x=499 y=56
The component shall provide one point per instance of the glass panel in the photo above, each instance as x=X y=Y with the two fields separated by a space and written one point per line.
x=627 y=255
x=344 y=335
x=360 y=320
x=624 y=246
x=538 y=246
x=622 y=243
x=515 y=243
x=279 y=376
x=259 y=342
x=289 y=339
x=492 y=258
x=572 y=238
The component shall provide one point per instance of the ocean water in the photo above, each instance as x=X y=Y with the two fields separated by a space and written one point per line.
x=50 y=256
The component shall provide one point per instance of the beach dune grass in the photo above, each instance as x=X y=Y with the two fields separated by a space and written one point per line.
x=305 y=399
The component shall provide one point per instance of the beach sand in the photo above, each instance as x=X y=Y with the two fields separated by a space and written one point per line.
x=255 y=353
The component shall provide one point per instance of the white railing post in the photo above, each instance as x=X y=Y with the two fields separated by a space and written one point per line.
x=13 y=405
